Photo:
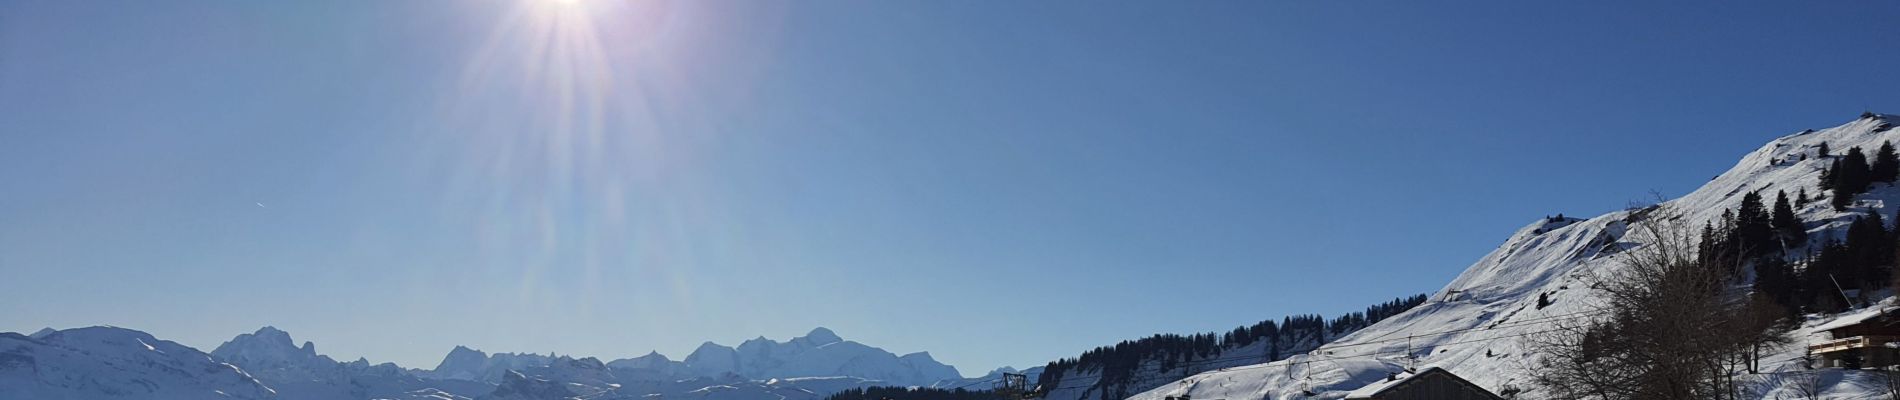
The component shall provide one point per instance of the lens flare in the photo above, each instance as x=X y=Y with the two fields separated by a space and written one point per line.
x=555 y=131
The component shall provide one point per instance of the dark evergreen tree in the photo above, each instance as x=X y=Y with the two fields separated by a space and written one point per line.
x=1753 y=235
x=1788 y=228
x=1827 y=174
x=1886 y=164
x=1801 y=199
x=1824 y=275
x=1718 y=247
x=1823 y=150
x=1854 y=174
x=1849 y=176
x=1869 y=253
x=1840 y=201
x=1773 y=277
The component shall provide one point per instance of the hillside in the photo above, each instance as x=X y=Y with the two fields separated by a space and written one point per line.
x=1134 y=366
x=1475 y=326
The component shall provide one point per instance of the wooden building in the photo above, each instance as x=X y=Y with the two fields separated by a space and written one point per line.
x=1430 y=384
x=1864 y=340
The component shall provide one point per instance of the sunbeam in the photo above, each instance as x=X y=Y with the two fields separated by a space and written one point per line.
x=555 y=132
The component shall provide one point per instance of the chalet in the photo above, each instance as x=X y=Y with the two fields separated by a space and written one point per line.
x=1868 y=339
x=1430 y=384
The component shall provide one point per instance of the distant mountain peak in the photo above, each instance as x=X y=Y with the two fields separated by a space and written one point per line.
x=821 y=336
x=267 y=339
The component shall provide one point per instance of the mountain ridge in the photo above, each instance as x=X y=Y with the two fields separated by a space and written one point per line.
x=274 y=366
x=1474 y=326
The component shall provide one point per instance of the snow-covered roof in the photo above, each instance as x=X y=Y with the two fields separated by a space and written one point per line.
x=1374 y=389
x=1856 y=317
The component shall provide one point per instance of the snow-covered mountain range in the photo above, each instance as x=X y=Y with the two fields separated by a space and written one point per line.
x=820 y=353
x=115 y=363
x=299 y=373
x=118 y=363
x=1475 y=326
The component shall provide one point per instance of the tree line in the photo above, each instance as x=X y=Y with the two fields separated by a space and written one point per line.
x=1119 y=366
x=1791 y=269
x=1850 y=174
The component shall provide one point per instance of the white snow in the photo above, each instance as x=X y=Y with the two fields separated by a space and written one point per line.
x=1475 y=326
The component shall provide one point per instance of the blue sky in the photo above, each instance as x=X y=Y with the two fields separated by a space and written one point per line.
x=999 y=183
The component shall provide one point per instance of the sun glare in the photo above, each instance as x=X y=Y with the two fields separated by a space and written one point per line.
x=531 y=114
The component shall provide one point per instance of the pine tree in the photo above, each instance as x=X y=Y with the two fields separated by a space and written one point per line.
x=1801 y=200
x=1823 y=151
x=1848 y=178
x=1867 y=251
x=1879 y=256
x=1886 y=165
x=1841 y=200
x=1754 y=235
x=1788 y=228
x=1854 y=174
x=1717 y=248
x=1823 y=270
x=1774 y=278
x=1827 y=174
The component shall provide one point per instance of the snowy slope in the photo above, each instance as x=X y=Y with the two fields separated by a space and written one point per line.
x=1475 y=326
x=115 y=363
x=1083 y=384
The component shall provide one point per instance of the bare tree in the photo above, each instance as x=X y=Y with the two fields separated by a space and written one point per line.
x=1769 y=324
x=1671 y=326
x=1807 y=383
